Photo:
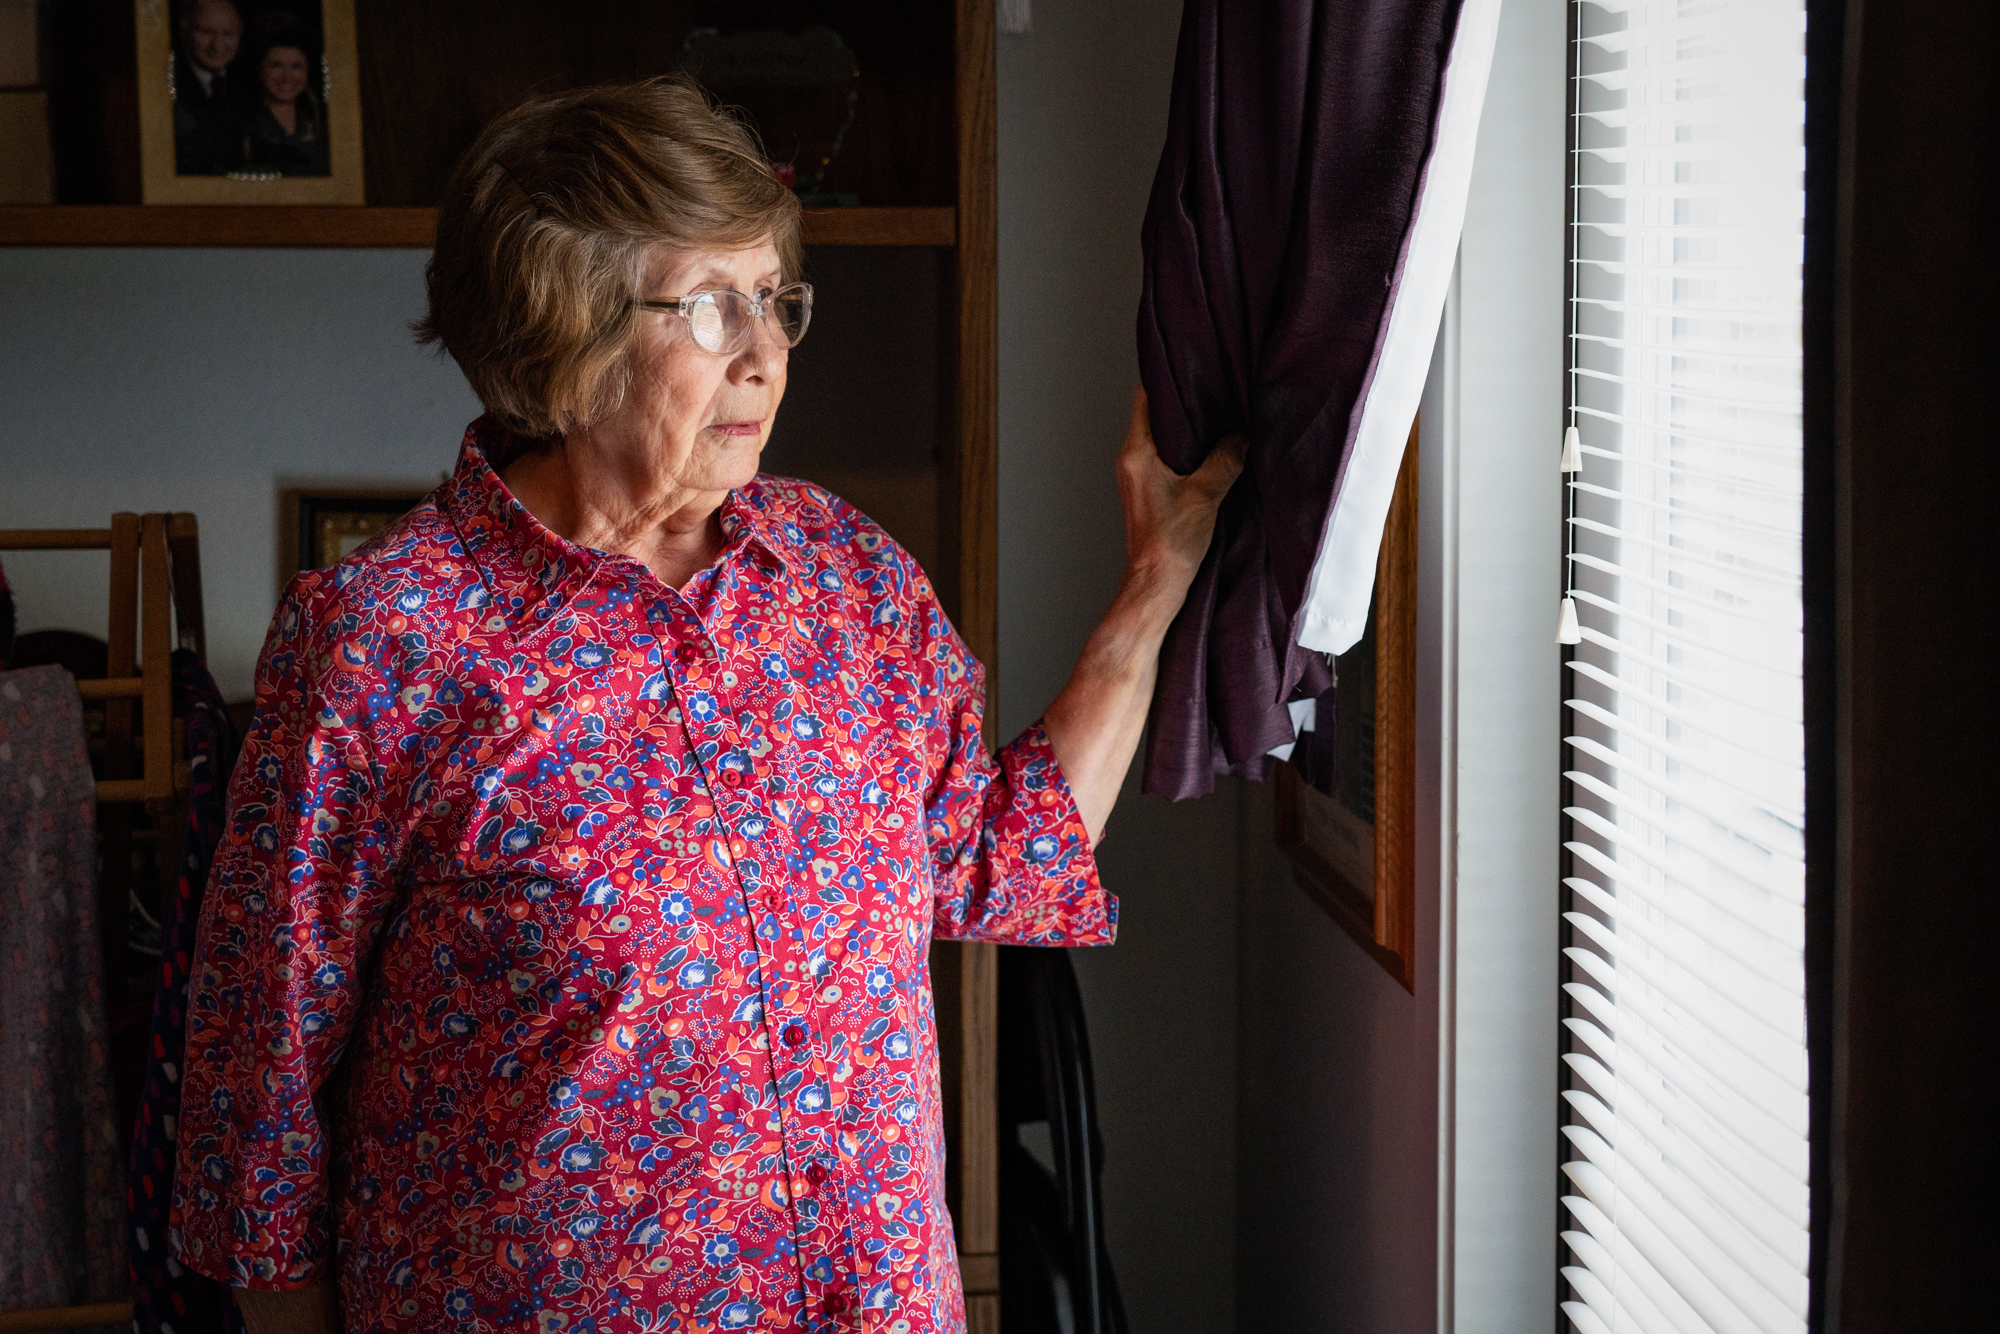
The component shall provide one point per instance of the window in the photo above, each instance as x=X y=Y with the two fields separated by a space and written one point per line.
x=1685 y=1181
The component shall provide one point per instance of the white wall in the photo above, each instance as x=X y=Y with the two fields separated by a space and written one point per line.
x=1504 y=335
x=1083 y=103
x=204 y=380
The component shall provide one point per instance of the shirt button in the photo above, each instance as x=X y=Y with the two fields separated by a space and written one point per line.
x=836 y=1303
x=816 y=1173
x=730 y=778
x=794 y=1034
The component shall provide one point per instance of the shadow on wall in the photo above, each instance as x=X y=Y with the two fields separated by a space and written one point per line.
x=1337 y=1183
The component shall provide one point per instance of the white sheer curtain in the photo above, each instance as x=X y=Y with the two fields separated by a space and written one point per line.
x=1686 y=1180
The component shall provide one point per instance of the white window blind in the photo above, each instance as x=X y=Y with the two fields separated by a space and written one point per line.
x=1685 y=1191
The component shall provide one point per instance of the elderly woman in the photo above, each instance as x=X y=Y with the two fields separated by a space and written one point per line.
x=564 y=964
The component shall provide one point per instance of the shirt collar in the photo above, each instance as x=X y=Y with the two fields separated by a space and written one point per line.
x=749 y=520
x=529 y=566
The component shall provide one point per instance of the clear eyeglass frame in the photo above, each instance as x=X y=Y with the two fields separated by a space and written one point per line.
x=720 y=320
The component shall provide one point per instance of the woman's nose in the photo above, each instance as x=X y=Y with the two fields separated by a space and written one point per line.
x=761 y=356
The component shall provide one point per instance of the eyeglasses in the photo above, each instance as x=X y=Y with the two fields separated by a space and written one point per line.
x=720 y=321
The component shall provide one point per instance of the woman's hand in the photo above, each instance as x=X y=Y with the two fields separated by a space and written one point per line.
x=1170 y=518
x=1095 y=723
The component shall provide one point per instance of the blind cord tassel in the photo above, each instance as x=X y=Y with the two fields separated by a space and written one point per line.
x=1567 y=631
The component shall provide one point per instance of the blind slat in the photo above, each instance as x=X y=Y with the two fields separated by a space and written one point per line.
x=1760 y=956
x=1677 y=792
x=1659 y=1244
x=1661 y=1123
x=1706 y=1005
x=1689 y=759
x=1603 y=1308
x=1711 y=514
x=1695 y=1229
x=1656 y=846
x=1704 y=596
x=1686 y=1105
x=1788 y=488
x=1716 y=1121
x=1753 y=357
x=1787 y=579
x=1598 y=1262
x=1688 y=693
x=1599 y=1081
x=1680 y=430
x=1767 y=1130
x=1621 y=1260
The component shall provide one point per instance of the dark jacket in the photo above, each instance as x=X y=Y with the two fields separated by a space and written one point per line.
x=208 y=122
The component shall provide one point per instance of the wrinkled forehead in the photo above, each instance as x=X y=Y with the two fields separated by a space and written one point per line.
x=674 y=271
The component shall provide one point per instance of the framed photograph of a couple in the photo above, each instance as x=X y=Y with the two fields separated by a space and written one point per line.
x=249 y=102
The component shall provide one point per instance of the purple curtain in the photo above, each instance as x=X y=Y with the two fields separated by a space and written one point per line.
x=1296 y=145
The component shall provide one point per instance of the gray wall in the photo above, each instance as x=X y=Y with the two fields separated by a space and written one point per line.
x=204 y=380
x=1339 y=1121
x=1340 y=1176
x=1083 y=101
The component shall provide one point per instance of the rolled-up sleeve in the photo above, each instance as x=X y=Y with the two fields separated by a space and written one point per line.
x=1010 y=855
x=296 y=901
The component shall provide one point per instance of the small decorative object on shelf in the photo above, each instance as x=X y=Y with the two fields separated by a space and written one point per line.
x=249 y=102
x=798 y=89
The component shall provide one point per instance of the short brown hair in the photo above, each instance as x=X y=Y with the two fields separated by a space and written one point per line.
x=544 y=230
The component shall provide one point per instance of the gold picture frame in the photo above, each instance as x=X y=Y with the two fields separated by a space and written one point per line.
x=1363 y=871
x=179 y=163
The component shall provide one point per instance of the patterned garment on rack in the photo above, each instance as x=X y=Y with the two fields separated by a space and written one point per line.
x=58 y=1145
x=166 y=1297
x=619 y=901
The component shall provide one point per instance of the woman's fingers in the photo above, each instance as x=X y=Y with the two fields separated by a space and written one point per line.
x=1139 y=430
x=1168 y=516
x=1219 y=471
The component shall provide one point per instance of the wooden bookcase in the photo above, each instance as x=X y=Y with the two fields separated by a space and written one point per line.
x=921 y=158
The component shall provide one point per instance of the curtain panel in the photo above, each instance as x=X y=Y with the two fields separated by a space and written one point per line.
x=1298 y=243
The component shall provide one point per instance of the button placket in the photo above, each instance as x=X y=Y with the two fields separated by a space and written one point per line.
x=734 y=799
x=813 y=1170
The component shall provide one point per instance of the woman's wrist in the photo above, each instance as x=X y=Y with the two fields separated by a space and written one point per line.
x=1151 y=592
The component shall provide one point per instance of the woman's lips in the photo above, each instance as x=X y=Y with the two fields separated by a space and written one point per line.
x=737 y=428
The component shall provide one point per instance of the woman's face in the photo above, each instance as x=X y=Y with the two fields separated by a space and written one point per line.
x=698 y=418
x=283 y=73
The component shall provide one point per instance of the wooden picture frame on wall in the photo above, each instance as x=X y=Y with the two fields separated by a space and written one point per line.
x=1355 y=852
x=320 y=526
x=228 y=148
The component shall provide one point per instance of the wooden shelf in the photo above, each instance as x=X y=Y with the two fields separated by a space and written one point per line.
x=379 y=228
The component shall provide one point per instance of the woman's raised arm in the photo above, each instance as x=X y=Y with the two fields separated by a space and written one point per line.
x=1094 y=725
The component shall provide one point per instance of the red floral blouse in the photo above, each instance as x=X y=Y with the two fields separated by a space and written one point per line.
x=565 y=957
